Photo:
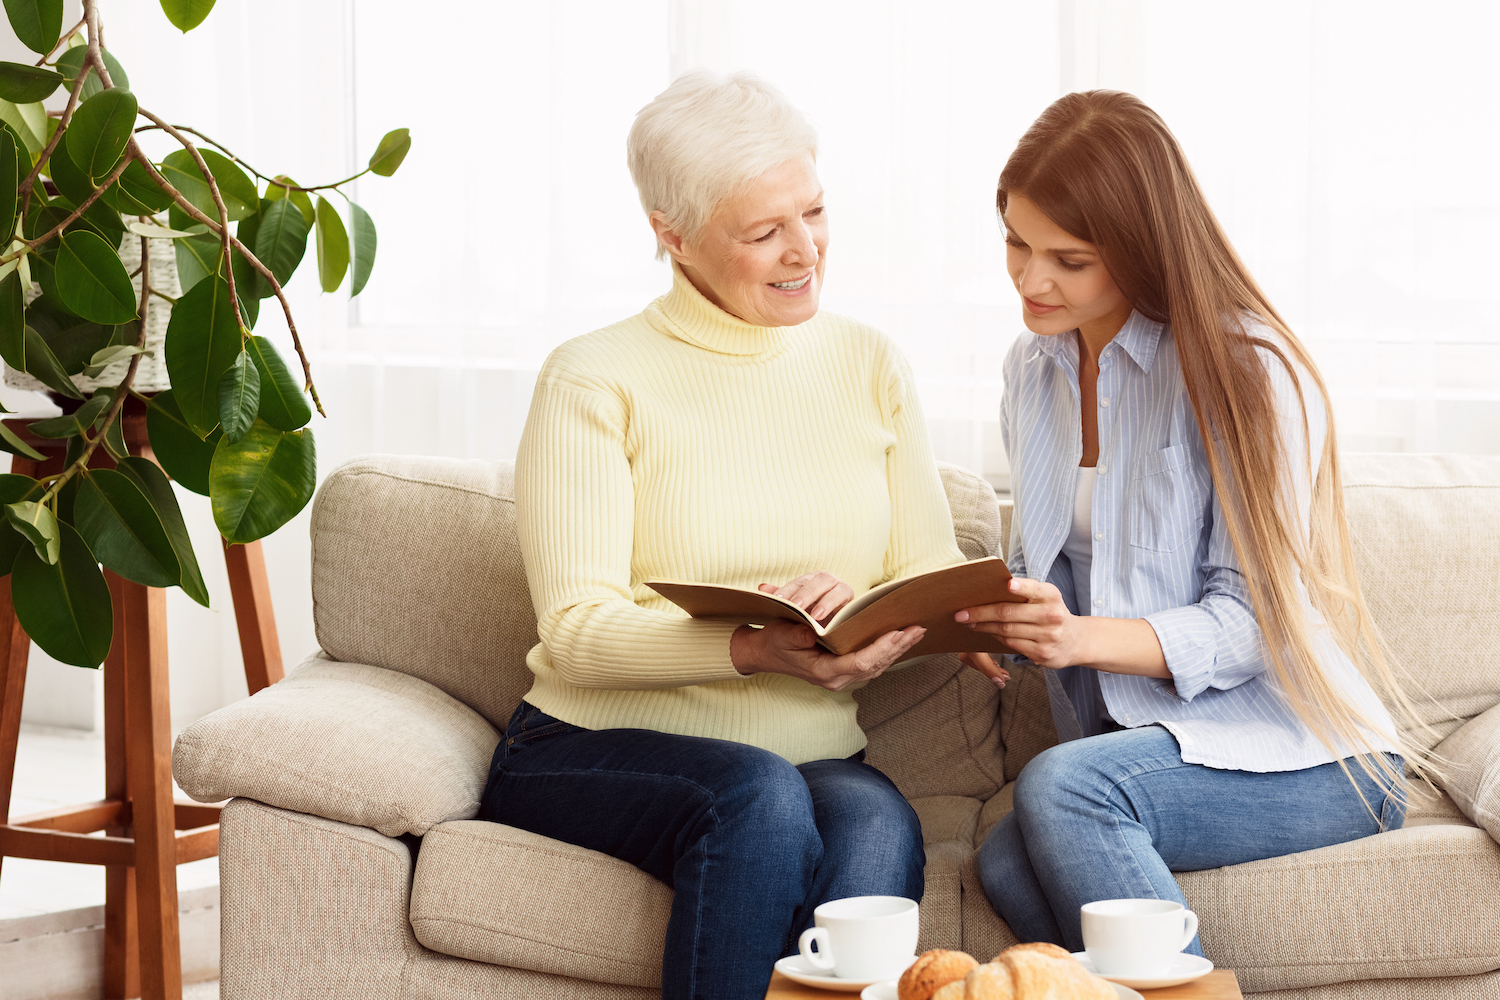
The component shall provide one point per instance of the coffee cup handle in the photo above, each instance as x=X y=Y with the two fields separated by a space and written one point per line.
x=1191 y=931
x=822 y=959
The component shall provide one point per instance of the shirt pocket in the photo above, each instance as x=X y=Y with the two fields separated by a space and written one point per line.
x=1167 y=501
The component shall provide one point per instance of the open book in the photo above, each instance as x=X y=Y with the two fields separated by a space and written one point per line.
x=928 y=599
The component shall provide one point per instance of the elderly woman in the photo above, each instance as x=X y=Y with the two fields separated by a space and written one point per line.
x=729 y=433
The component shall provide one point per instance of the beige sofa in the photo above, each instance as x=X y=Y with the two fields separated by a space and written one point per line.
x=351 y=865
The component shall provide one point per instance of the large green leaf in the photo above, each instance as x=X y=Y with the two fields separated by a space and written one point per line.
x=186 y=14
x=70 y=64
x=362 y=246
x=262 y=482
x=99 y=130
x=11 y=442
x=10 y=180
x=239 y=397
x=247 y=282
x=122 y=529
x=37 y=23
x=13 y=322
x=178 y=448
x=23 y=84
x=38 y=525
x=135 y=193
x=275 y=192
x=153 y=483
x=283 y=404
x=70 y=180
x=240 y=196
x=76 y=344
x=394 y=146
x=64 y=608
x=72 y=424
x=281 y=242
x=13 y=489
x=92 y=281
x=197 y=258
x=43 y=364
x=203 y=339
x=30 y=122
x=333 y=246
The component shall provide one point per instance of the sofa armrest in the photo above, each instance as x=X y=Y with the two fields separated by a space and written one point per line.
x=1471 y=766
x=348 y=742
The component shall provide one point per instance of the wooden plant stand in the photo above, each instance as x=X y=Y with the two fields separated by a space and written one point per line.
x=146 y=833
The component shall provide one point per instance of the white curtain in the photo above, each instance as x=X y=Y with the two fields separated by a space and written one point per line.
x=1348 y=146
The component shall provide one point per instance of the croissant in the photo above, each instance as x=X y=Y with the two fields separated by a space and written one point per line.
x=1037 y=971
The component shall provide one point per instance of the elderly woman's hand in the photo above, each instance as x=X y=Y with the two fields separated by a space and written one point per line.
x=785 y=647
x=820 y=594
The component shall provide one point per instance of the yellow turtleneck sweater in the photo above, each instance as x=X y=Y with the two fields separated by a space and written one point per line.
x=686 y=444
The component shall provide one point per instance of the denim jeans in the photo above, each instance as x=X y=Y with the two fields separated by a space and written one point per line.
x=1112 y=816
x=749 y=843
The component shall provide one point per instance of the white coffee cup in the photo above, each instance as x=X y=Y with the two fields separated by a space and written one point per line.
x=1136 y=938
x=862 y=937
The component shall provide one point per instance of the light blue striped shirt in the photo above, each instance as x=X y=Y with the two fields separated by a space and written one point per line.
x=1161 y=550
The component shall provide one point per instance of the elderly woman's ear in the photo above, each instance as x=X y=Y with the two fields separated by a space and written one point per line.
x=667 y=236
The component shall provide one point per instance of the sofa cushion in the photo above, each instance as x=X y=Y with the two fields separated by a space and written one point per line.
x=1471 y=769
x=416 y=568
x=493 y=893
x=1425 y=537
x=1420 y=901
x=346 y=741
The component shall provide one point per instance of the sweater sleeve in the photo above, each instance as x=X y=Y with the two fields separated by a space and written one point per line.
x=921 y=522
x=575 y=517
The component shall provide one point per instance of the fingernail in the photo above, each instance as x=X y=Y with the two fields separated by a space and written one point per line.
x=1015 y=585
x=999 y=681
x=962 y=616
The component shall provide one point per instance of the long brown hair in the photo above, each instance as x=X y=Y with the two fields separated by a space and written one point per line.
x=1105 y=168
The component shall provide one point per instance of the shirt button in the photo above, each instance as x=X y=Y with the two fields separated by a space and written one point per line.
x=1104 y=401
x=1102 y=470
x=1098 y=602
x=1099 y=536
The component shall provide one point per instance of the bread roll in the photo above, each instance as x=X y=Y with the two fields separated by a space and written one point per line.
x=932 y=971
x=1040 y=947
x=991 y=981
x=953 y=991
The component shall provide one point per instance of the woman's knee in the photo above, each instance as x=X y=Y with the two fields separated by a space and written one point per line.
x=760 y=790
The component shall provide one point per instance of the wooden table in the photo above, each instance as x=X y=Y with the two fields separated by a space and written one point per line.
x=1219 y=984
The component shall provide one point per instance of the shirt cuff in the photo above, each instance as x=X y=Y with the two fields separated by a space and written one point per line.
x=1187 y=638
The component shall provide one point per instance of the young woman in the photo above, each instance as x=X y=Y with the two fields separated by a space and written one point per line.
x=1180 y=538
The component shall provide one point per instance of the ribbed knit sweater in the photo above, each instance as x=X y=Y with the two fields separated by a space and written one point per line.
x=686 y=444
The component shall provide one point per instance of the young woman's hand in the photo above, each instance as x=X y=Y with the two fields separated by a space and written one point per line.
x=785 y=647
x=1042 y=629
x=987 y=665
x=820 y=594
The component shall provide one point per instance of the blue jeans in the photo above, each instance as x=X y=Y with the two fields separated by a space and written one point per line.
x=749 y=843
x=1112 y=816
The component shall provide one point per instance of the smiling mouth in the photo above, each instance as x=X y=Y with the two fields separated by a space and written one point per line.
x=792 y=286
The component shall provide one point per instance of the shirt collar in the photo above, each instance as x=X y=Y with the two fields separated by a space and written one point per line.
x=1138 y=338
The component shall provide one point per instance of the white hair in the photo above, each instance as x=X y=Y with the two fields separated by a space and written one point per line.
x=706 y=136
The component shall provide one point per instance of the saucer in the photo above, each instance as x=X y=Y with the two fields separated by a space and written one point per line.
x=800 y=970
x=1184 y=969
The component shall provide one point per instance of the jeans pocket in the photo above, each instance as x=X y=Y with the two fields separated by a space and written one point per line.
x=529 y=725
x=1168 y=498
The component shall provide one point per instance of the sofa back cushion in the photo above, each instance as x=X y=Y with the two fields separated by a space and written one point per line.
x=1426 y=533
x=416 y=568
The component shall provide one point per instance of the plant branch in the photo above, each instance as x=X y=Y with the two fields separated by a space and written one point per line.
x=269 y=180
x=193 y=212
x=62 y=40
x=122 y=390
x=77 y=212
x=51 y=147
x=213 y=189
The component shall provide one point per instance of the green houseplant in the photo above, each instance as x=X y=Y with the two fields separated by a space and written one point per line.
x=74 y=186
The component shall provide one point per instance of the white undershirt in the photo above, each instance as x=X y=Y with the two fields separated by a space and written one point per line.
x=1079 y=548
